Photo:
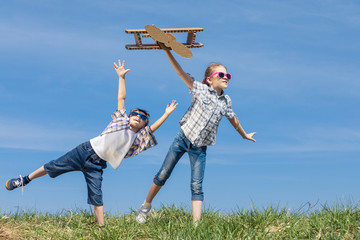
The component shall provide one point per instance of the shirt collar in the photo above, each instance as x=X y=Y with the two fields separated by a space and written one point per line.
x=213 y=91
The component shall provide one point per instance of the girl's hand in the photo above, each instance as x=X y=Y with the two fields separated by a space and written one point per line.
x=120 y=70
x=171 y=107
x=249 y=136
x=163 y=47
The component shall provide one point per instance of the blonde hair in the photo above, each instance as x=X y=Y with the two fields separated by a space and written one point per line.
x=210 y=70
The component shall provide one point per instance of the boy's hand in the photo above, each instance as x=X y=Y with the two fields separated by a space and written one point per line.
x=171 y=107
x=120 y=70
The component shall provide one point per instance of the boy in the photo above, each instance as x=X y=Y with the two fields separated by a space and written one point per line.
x=124 y=137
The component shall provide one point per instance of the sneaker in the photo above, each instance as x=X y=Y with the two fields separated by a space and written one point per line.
x=143 y=211
x=15 y=183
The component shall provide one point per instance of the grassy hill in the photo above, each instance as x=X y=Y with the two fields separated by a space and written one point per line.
x=171 y=222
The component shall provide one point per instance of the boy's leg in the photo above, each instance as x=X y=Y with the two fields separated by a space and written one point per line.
x=37 y=173
x=23 y=181
x=93 y=171
x=99 y=215
x=93 y=180
x=73 y=160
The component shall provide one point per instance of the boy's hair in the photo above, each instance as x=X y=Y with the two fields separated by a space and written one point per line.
x=144 y=112
x=209 y=70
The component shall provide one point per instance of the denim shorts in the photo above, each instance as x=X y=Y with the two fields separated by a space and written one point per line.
x=84 y=159
x=197 y=156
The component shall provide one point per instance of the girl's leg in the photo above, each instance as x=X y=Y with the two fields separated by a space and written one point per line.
x=164 y=173
x=197 y=156
x=196 y=208
x=37 y=173
x=154 y=189
x=99 y=215
x=176 y=151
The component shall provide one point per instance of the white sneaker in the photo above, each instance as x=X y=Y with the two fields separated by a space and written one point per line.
x=143 y=211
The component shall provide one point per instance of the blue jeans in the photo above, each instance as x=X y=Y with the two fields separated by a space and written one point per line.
x=84 y=159
x=197 y=156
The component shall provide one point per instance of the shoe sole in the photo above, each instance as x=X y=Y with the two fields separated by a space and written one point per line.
x=6 y=185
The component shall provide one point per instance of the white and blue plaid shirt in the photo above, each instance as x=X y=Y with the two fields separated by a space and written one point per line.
x=201 y=120
x=144 y=140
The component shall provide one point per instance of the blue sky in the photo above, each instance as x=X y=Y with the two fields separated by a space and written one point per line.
x=295 y=67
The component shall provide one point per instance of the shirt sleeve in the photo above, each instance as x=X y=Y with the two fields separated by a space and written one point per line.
x=198 y=87
x=229 y=111
x=145 y=139
x=120 y=113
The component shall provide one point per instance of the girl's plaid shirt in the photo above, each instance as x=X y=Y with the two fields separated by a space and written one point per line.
x=201 y=120
x=145 y=139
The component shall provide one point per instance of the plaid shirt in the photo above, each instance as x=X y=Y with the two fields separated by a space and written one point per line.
x=201 y=121
x=145 y=139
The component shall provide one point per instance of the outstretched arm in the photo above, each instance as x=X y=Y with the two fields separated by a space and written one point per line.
x=236 y=124
x=168 y=110
x=178 y=69
x=121 y=71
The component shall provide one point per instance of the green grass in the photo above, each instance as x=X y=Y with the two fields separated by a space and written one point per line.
x=170 y=222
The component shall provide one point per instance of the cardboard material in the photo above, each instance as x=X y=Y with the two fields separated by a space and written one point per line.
x=163 y=36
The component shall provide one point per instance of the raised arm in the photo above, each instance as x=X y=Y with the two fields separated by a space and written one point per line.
x=121 y=71
x=168 y=110
x=178 y=69
x=236 y=124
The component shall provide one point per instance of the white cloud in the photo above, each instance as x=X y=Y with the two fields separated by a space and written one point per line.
x=305 y=15
x=26 y=37
x=314 y=140
x=273 y=72
x=298 y=140
x=24 y=134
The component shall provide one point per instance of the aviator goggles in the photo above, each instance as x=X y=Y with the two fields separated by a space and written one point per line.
x=222 y=75
x=142 y=116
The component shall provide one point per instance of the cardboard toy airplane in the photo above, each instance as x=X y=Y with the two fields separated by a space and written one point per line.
x=163 y=36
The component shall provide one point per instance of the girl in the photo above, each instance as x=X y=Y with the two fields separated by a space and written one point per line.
x=198 y=129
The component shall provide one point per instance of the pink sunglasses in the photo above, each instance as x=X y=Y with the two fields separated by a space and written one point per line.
x=222 y=75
